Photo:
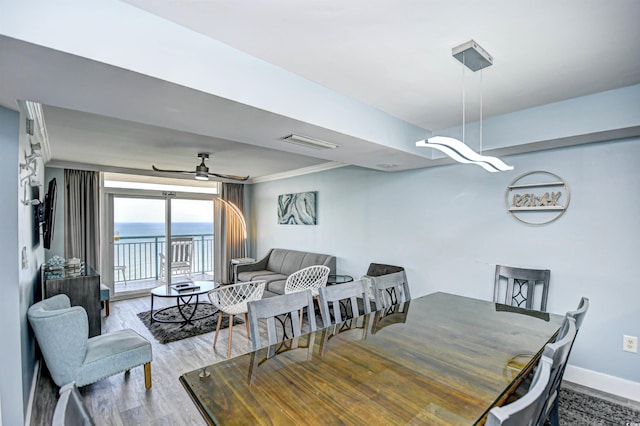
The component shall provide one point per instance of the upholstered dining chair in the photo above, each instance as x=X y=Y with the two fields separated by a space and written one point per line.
x=232 y=300
x=390 y=289
x=268 y=309
x=62 y=332
x=526 y=410
x=70 y=409
x=349 y=293
x=309 y=278
x=520 y=288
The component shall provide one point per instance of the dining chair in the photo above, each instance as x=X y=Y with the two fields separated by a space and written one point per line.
x=390 y=289
x=310 y=278
x=520 y=288
x=232 y=300
x=347 y=293
x=578 y=316
x=526 y=410
x=270 y=308
x=62 y=332
x=70 y=409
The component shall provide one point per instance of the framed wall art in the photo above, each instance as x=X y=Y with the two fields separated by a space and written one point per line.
x=297 y=209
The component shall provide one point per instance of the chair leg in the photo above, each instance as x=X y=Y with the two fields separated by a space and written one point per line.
x=147 y=375
x=106 y=308
x=230 y=336
x=246 y=322
x=215 y=339
x=317 y=298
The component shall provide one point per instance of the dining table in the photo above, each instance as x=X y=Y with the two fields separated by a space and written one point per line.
x=440 y=359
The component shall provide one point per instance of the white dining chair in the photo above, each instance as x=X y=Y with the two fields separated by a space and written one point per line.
x=232 y=300
x=309 y=278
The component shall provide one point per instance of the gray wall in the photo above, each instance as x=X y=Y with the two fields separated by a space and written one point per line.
x=448 y=227
x=17 y=358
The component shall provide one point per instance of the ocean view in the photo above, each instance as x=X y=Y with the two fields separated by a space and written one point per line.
x=139 y=243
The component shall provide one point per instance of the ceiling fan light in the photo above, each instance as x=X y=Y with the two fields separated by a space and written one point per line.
x=202 y=176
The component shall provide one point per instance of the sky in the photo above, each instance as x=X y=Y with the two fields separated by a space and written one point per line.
x=153 y=210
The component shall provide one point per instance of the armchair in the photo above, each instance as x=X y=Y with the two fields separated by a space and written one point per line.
x=62 y=333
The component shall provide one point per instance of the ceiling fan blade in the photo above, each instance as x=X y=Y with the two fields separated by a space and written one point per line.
x=155 y=169
x=240 y=178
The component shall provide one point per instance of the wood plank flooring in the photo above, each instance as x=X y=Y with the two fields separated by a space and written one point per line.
x=122 y=399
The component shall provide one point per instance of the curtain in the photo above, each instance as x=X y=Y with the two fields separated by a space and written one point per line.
x=81 y=216
x=230 y=235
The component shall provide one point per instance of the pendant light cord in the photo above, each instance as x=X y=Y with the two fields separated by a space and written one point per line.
x=463 y=98
x=481 y=74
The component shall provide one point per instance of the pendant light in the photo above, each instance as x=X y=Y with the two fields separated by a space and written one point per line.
x=475 y=58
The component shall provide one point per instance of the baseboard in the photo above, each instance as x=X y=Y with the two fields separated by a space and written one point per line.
x=603 y=382
x=32 y=393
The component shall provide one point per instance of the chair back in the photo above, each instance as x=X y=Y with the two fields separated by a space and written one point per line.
x=378 y=269
x=579 y=314
x=351 y=292
x=70 y=409
x=62 y=332
x=311 y=277
x=390 y=289
x=521 y=286
x=181 y=249
x=526 y=410
x=558 y=352
x=268 y=309
x=232 y=299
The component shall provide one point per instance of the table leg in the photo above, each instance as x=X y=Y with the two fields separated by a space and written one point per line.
x=151 y=320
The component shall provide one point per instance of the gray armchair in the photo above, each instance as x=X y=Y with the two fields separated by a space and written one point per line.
x=62 y=333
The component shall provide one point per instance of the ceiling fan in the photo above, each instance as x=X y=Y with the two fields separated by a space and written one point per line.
x=202 y=171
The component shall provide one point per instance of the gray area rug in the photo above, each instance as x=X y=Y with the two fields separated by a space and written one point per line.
x=171 y=332
x=578 y=409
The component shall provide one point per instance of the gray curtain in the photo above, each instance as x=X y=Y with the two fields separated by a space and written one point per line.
x=82 y=216
x=230 y=235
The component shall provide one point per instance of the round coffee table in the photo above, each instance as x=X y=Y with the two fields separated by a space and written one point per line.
x=184 y=297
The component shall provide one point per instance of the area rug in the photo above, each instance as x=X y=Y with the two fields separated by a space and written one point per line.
x=171 y=332
x=577 y=408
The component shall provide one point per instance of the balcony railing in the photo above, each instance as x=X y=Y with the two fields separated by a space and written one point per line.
x=139 y=254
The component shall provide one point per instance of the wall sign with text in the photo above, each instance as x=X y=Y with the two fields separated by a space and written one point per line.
x=537 y=197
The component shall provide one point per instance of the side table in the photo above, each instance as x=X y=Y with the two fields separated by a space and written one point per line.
x=339 y=279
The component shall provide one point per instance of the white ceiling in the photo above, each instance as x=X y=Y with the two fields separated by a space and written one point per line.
x=394 y=56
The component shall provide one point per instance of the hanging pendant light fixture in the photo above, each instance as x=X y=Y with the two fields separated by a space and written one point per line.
x=475 y=58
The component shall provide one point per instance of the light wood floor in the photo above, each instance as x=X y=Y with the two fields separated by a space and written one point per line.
x=122 y=399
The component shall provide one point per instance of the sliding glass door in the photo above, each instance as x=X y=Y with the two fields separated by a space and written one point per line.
x=137 y=224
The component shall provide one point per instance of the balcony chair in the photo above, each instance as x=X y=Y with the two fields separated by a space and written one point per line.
x=181 y=258
x=520 y=289
x=62 y=332
x=232 y=300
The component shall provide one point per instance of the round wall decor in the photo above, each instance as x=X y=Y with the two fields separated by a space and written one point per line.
x=537 y=197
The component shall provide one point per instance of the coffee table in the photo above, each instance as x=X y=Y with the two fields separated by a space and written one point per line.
x=183 y=298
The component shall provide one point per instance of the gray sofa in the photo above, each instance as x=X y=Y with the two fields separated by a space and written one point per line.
x=278 y=264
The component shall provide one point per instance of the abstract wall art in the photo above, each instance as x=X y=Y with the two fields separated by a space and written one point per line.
x=297 y=209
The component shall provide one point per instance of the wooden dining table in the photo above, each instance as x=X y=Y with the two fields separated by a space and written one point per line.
x=440 y=359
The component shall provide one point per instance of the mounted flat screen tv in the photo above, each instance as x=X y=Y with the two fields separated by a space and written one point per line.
x=48 y=224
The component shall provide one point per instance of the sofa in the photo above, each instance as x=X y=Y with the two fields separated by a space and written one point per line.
x=278 y=264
